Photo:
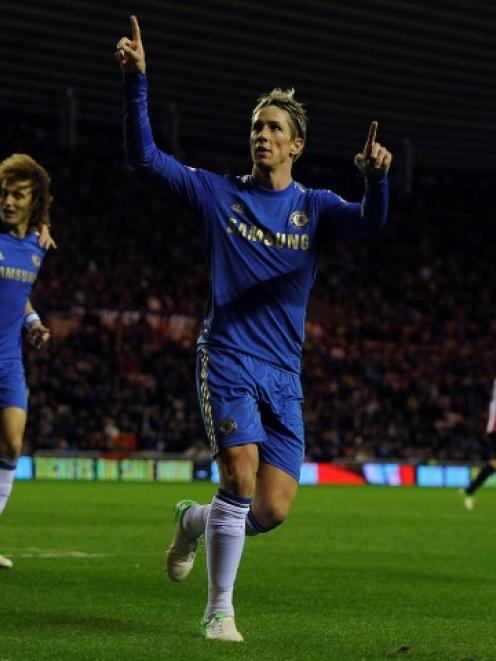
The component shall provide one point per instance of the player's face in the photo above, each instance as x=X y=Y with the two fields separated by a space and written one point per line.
x=16 y=203
x=271 y=139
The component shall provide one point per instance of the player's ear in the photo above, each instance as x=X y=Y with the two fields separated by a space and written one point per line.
x=296 y=147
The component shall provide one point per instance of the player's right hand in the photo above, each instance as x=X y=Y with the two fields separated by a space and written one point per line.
x=38 y=335
x=45 y=239
x=374 y=158
x=130 y=52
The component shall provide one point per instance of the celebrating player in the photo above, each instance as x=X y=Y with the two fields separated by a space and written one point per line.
x=24 y=239
x=490 y=466
x=261 y=233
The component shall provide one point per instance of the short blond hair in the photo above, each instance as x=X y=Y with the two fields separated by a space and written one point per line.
x=21 y=167
x=285 y=99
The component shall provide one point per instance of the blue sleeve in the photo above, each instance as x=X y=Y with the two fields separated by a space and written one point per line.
x=344 y=219
x=189 y=184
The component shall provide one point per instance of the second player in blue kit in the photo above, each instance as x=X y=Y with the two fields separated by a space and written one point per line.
x=262 y=234
x=24 y=238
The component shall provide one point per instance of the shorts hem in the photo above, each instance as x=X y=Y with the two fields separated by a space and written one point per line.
x=235 y=443
x=13 y=405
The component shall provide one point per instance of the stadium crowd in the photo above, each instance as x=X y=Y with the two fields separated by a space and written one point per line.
x=400 y=350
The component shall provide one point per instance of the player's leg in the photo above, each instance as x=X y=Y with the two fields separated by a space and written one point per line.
x=490 y=466
x=281 y=455
x=274 y=494
x=227 y=396
x=485 y=472
x=12 y=425
x=225 y=537
x=191 y=523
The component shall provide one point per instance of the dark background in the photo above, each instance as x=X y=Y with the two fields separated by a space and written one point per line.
x=424 y=70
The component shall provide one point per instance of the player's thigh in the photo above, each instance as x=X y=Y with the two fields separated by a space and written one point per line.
x=228 y=400
x=282 y=418
x=13 y=405
x=12 y=425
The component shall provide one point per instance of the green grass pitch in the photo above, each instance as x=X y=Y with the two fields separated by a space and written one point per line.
x=355 y=573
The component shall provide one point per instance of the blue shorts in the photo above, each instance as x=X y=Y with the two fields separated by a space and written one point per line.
x=246 y=400
x=13 y=390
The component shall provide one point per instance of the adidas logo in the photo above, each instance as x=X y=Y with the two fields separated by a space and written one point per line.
x=1 y=255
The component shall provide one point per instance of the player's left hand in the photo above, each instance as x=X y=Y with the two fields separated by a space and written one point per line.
x=38 y=335
x=45 y=239
x=374 y=159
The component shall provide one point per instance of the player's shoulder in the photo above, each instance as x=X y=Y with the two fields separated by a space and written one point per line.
x=300 y=188
x=241 y=182
x=326 y=195
x=312 y=192
x=32 y=240
x=211 y=180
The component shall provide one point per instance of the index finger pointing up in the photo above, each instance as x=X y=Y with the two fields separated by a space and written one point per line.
x=371 y=138
x=135 y=30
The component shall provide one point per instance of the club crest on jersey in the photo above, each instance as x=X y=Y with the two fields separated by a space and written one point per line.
x=238 y=207
x=299 y=219
x=227 y=427
x=36 y=260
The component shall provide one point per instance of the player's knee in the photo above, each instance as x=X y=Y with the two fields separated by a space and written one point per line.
x=272 y=515
x=11 y=450
x=11 y=446
x=277 y=515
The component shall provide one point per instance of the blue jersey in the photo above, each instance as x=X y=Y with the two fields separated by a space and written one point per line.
x=20 y=261
x=261 y=245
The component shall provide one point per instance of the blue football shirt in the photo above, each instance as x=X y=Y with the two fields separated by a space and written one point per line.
x=261 y=245
x=20 y=261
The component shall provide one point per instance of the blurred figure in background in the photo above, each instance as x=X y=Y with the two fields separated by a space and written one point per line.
x=490 y=466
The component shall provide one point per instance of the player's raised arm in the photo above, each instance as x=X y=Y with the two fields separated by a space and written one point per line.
x=139 y=146
x=374 y=161
x=374 y=158
x=130 y=52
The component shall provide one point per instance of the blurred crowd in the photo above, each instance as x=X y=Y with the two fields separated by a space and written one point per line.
x=400 y=351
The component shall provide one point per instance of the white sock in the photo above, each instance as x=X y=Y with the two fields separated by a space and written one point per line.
x=6 y=482
x=225 y=538
x=194 y=521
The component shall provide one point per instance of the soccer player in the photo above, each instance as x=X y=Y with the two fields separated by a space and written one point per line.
x=24 y=239
x=490 y=466
x=261 y=234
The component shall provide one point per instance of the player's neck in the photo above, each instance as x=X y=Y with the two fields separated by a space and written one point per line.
x=272 y=179
x=19 y=231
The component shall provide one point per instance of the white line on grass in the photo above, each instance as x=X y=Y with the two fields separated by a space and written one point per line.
x=34 y=552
